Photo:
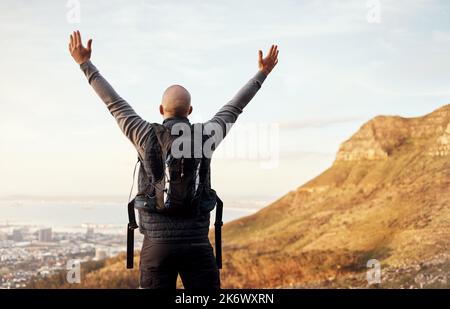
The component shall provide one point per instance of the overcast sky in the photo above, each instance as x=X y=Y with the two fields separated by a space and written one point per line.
x=338 y=68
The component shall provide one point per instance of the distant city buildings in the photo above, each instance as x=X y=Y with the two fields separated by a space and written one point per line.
x=30 y=252
x=45 y=235
x=17 y=235
x=90 y=233
x=100 y=255
x=3 y=236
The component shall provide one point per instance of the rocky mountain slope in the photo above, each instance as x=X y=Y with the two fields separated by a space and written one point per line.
x=386 y=197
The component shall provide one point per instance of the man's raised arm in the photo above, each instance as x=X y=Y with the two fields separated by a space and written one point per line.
x=131 y=124
x=229 y=113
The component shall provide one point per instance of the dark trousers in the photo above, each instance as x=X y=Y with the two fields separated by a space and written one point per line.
x=161 y=262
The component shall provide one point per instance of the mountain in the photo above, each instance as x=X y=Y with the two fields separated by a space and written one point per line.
x=386 y=197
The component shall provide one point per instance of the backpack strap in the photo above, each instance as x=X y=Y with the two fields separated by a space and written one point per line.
x=162 y=134
x=154 y=151
x=218 y=232
x=132 y=225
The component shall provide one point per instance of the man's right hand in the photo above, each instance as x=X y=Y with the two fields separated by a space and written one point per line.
x=79 y=53
x=267 y=64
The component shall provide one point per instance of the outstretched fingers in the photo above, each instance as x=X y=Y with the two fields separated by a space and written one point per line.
x=71 y=43
x=79 y=39
x=269 y=54
x=79 y=52
x=267 y=63
x=274 y=51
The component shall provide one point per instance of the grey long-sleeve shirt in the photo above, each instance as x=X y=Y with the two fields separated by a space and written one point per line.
x=136 y=128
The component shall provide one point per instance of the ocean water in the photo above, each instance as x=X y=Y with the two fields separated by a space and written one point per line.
x=76 y=215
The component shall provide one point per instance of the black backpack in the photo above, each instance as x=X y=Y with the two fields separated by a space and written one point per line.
x=179 y=181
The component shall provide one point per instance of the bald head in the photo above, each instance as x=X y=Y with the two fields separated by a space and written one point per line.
x=176 y=102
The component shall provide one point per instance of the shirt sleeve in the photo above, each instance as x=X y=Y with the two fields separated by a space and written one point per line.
x=131 y=124
x=229 y=113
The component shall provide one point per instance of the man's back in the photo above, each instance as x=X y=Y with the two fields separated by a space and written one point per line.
x=172 y=245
